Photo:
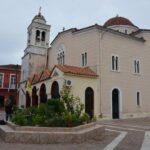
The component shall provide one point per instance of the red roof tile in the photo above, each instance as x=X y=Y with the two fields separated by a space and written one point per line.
x=45 y=75
x=118 y=21
x=36 y=78
x=77 y=70
x=66 y=69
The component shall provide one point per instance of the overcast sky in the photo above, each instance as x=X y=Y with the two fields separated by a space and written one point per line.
x=16 y=15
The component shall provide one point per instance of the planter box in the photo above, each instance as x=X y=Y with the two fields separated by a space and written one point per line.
x=44 y=135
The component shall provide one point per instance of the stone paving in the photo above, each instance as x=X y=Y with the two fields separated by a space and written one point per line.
x=136 y=137
x=135 y=128
x=90 y=145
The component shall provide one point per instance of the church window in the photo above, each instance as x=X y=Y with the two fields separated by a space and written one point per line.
x=43 y=35
x=37 y=36
x=84 y=59
x=61 y=58
x=117 y=68
x=138 y=98
x=61 y=54
x=115 y=63
x=136 y=66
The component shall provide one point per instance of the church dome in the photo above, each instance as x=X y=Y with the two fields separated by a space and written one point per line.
x=118 y=21
x=39 y=18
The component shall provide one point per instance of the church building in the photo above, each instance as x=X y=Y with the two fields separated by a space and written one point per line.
x=106 y=66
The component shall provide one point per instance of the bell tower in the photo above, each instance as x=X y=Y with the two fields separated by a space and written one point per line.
x=38 y=34
x=35 y=54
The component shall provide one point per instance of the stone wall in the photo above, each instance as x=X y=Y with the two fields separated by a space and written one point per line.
x=41 y=135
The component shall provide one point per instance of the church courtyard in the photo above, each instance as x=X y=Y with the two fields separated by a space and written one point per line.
x=120 y=134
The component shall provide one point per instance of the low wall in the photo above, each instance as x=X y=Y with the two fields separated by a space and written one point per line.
x=39 y=135
x=49 y=129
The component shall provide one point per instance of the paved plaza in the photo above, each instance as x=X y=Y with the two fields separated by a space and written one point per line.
x=128 y=134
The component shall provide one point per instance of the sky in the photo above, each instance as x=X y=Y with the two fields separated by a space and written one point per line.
x=16 y=15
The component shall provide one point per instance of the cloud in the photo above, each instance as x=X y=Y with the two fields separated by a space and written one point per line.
x=16 y=15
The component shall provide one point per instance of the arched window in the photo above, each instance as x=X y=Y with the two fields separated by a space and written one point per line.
x=37 y=35
x=61 y=54
x=138 y=98
x=43 y=35
x=135 y=70
x=34 y=97
x=89 y=102
x=117 y=67
x=55 y=90
x=115 y=104
x=61 y=58
x=136 y=66
x=43 y=95
x=28 y=100
x=84 y=59
x=115 y=63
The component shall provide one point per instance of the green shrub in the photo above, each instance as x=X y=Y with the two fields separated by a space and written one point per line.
x=19 y=119
x=56 y=106
x=64 y=112
x=72 y=120
x=72 y=104
x=94 y=119
x=38 y=120
x=41 y=109
x=85 y=118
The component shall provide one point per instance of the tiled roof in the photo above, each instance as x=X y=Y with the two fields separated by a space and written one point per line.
x=11 y=66
x=118 y=21
x=45 y=75
x=86 y=71
x=36 y=78
x=73 y=70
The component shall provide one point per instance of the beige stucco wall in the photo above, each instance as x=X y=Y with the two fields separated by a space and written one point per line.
x=79 y=85
x=125 y=80
x=76 y=44
x=100 y=46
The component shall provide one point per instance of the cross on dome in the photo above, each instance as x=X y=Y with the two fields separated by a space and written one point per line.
x=40 y=10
